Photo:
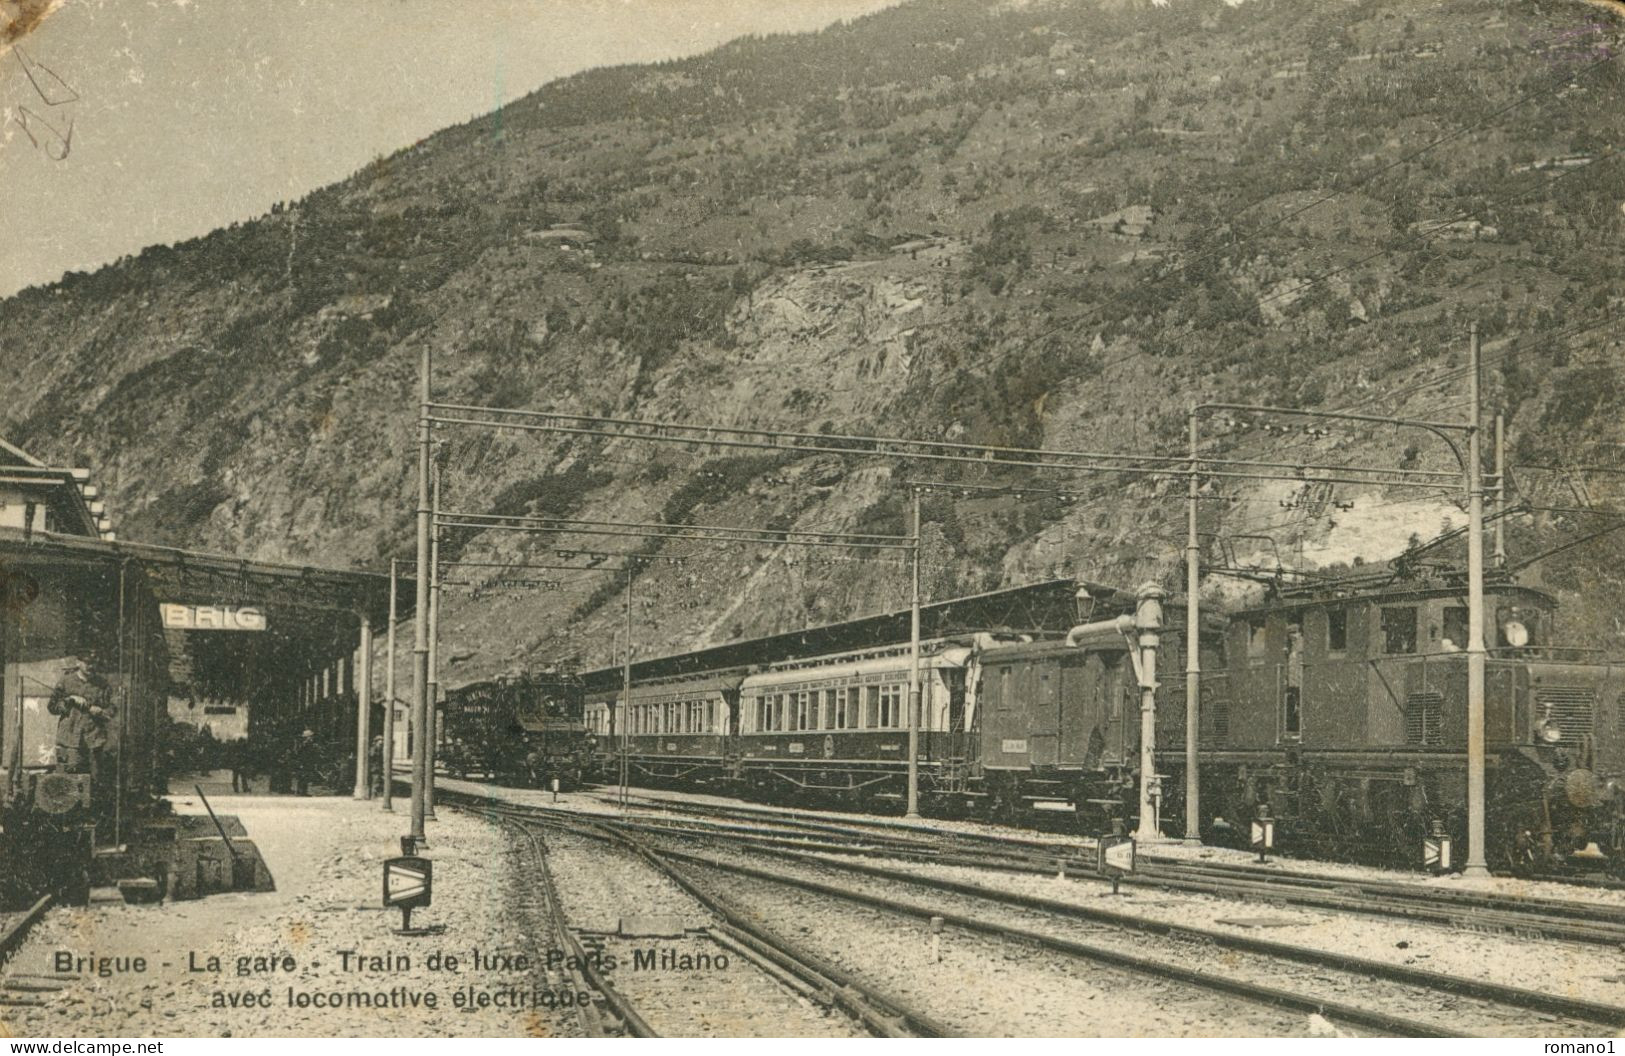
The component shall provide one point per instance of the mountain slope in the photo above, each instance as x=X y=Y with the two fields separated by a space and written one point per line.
x=1049 y=224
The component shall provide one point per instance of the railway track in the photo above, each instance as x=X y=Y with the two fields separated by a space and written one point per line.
x=1474 y=1000
x=623 y=1019
x=15 y=930
x=784 y=962
x=1545 y=918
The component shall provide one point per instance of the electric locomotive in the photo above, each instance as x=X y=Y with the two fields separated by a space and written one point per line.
x=1343 y=714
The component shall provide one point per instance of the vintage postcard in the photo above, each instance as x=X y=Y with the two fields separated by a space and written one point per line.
x=817 y=519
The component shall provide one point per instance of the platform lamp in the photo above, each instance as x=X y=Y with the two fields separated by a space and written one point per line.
x=1084 y=603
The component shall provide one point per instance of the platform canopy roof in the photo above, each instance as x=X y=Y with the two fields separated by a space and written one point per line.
x=177 y=574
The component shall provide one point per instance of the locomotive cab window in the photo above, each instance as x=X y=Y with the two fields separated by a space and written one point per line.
x=1399 y=629
x=1257 y=639
x=1292 y=690
x=1516 y=627
x=1337 y=630
x=1453 y=638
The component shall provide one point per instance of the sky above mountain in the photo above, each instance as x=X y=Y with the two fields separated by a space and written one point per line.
x=125 y=123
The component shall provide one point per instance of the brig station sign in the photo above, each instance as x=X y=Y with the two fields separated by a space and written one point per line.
x=188 y=617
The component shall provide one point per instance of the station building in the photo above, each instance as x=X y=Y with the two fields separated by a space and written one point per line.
x=253 y=650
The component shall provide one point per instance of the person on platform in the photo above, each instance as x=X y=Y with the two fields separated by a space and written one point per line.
x=304 y=761
x=237 y=759
x=80 y=703
x=375 y=764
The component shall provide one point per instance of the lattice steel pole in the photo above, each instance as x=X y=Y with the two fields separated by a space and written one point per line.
x=433 y=728
x=1193 y=649
x=420 y=623
x=626 y=696
x=914 y=671
x=1477 y=864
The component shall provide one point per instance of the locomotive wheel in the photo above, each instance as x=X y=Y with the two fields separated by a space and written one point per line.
x=1004 y=805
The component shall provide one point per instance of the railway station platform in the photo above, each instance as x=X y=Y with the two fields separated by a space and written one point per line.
x=270 y=964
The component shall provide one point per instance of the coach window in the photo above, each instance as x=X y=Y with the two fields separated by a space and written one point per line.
x=1399 y=629
x=871 y=707
x=1337 y=630
x=854 y=706
x=840 y=708
x=831 y=706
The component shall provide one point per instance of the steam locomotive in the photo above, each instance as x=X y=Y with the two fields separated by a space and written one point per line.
x=58 y=605
x=527 y=728
x=1342 y=714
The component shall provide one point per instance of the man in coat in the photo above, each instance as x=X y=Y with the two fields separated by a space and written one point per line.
x=80 y=702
